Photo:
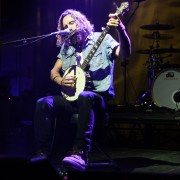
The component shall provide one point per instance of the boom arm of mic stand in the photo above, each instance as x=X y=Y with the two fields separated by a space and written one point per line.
x=24 y=40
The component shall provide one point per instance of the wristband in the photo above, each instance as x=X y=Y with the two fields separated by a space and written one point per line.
x=55 y=77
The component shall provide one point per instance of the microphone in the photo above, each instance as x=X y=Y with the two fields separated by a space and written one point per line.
x=61 y=32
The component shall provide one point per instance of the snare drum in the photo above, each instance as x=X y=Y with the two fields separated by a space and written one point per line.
x=164 y=87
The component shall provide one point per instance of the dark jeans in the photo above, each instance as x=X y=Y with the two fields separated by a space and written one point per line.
x=51 y=107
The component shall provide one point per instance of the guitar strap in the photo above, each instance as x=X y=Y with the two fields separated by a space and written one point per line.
x=79 y=58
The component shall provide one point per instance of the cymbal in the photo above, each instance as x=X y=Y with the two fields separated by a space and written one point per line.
x=132 y=1
x=159 y=51
x=167 y=50
x=157 y=27
x=158 y=36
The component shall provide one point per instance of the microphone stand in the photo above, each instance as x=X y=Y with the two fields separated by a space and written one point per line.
x=24 y=41
x=37 y=38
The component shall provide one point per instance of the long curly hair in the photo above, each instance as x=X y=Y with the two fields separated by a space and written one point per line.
x=82 y=22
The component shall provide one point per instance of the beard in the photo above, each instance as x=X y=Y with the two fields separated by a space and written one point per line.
x=77 y=39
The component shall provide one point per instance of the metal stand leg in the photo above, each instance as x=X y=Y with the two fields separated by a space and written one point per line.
x=146 y=97
x=111 y=161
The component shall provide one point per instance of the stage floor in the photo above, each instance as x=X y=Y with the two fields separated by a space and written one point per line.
x=138 y=143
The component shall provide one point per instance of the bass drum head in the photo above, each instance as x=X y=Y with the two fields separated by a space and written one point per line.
x=165 y=85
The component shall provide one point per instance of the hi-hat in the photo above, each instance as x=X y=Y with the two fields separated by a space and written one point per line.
x=157 y=27
x=159 y=51
x=157 y=36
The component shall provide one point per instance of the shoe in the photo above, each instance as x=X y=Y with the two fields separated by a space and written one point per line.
x=74 y=162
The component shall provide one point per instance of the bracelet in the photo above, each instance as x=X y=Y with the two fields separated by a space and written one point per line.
x=55 y=77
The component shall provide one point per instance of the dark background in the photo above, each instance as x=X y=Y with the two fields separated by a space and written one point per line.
x=25 y=67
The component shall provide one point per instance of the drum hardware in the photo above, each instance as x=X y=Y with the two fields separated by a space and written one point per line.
x=159 y=51
x=168 y=65
x=166 y=89
x=157 y=26
x=145 y=98
x=155 y=64
x=167 y=50
x=164 y=93
x=156 y=35
x=155 y=48
x=155 y=61
x=177 y=96
x=131 y=1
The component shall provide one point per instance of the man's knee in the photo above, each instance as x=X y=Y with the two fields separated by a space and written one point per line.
x=44 y=102
x=85 y=97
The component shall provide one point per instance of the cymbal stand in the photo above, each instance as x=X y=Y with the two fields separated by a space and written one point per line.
x=151 y=73
x=153 y=60
x=146 y=98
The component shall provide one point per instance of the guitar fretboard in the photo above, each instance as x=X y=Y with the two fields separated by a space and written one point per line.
x=95 y=47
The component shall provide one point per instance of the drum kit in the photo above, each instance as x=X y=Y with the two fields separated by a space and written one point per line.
x=163 y=80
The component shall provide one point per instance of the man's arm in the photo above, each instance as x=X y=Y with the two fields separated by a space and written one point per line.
x=57 y=78
x=55 y=72
x=124 y=49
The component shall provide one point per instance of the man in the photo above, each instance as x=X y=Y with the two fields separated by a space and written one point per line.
x=74 y=48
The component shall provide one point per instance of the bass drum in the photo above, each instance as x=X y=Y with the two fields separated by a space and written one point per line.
x=164 y=87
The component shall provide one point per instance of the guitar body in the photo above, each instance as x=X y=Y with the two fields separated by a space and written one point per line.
x=72 y=93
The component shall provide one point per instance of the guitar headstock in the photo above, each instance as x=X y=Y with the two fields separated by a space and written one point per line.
x=121 y=10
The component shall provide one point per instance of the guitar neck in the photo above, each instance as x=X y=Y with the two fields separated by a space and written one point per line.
x=101 y=37
x=95 y=47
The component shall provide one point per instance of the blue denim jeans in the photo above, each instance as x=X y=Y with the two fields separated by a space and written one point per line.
x=48 y=108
